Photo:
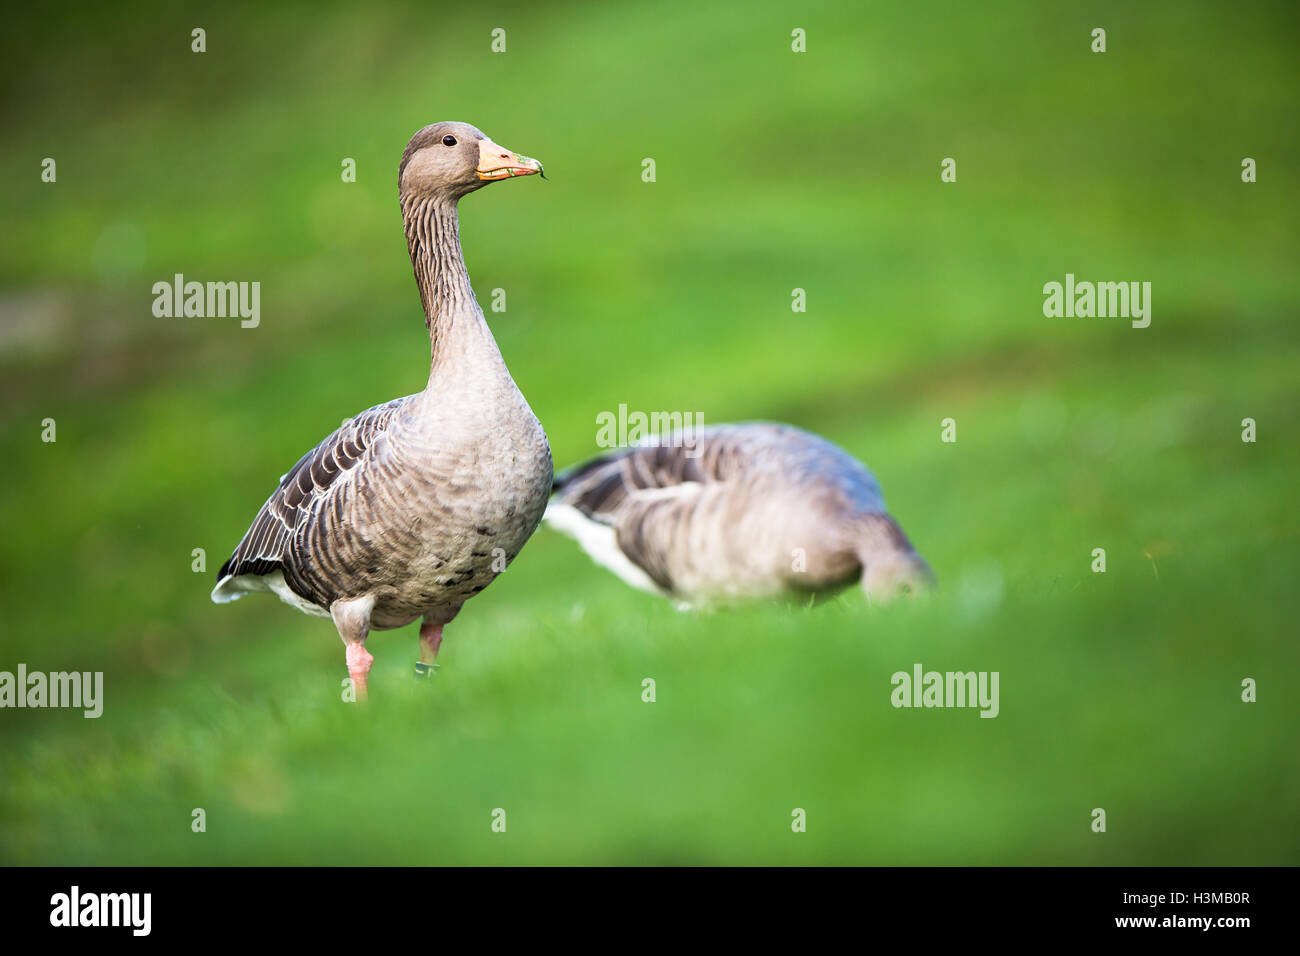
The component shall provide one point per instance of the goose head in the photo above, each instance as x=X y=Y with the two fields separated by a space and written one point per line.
x=450 y=160
x=899 y=574
x=891 y=568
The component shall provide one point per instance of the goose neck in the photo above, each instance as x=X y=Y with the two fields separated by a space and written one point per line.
x=433 y=239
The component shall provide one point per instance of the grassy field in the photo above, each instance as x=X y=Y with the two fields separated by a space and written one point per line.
x=775 y=171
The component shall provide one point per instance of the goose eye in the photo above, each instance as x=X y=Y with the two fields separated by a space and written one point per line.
x=449 y=141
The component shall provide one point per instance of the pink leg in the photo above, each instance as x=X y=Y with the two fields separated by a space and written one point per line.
x=359 y=661
x=352 y=618
x=430 y=641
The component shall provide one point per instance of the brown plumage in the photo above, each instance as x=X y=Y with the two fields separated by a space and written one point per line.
x=737 y=511
x=414 y=506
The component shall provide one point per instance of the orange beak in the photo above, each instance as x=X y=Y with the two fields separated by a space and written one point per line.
x=497 y=162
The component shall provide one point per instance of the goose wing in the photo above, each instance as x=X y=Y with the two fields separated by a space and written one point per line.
x=604 y=486
x=317 y=475
x=649 y=495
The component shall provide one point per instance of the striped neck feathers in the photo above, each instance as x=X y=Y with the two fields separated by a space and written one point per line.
x=433 y=240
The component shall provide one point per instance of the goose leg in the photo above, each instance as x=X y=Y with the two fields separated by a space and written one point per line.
x=430 y=641
x=352 y=618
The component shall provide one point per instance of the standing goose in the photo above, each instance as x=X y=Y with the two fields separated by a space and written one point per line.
x=737 y=511
x=414 y=506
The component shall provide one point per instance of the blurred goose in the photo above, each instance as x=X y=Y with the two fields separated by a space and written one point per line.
x=414 y=506
x=737 y=511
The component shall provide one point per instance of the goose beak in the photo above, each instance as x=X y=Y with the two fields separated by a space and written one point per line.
x=497 y=162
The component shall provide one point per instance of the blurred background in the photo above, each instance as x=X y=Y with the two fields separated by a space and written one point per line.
x=775 y=170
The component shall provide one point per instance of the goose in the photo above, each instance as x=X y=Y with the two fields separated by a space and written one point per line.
x=414 y=506
x=730 y=512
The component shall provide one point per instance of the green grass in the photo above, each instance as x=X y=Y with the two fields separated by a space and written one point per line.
x=775 y=171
